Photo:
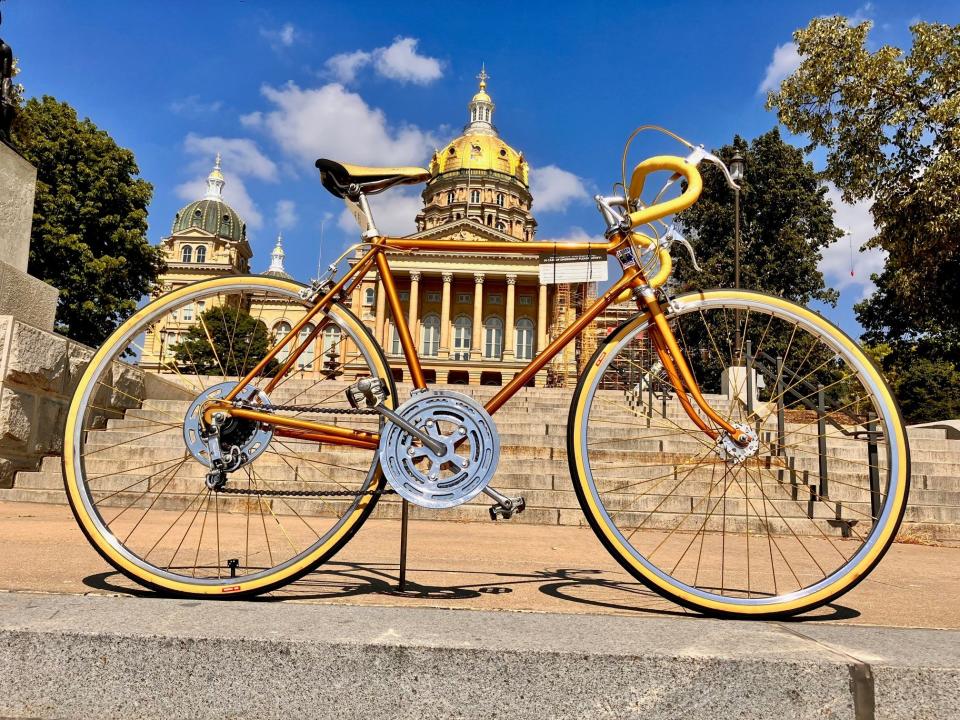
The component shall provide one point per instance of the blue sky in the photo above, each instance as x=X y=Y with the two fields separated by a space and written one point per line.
x=275 y=85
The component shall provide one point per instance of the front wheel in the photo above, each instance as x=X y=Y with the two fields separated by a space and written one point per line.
x=775 y=531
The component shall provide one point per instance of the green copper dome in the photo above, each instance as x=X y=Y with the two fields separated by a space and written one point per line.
x=212 y=213
x=214 y=216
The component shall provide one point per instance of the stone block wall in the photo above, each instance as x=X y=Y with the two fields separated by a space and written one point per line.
x=39 y=371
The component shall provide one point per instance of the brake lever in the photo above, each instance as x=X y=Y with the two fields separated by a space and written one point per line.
x=699 y=154
x=673 y=235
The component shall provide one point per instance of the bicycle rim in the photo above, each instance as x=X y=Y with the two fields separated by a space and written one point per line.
x=794 y=526
x=138 y=489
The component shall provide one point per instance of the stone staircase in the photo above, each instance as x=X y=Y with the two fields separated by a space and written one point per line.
x=533 y=463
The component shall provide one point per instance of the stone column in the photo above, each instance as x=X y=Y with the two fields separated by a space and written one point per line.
x=445 y=316
x=508 y=330
x=542 y=319
x=414 y=311
x=381 y=311
x=475 y=345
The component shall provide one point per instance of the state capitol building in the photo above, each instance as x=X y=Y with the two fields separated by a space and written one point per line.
x=477 y=318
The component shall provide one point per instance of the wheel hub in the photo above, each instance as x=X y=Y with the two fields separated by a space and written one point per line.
x=730 y=451
x=241 y=441
x=464 y=467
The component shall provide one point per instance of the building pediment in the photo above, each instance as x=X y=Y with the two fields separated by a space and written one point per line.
x=465 y=229
x=193 y=232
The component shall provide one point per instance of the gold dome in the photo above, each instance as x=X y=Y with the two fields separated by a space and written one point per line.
x=480 y=152
x=480 y=147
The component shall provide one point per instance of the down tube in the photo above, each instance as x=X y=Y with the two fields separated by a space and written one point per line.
x=589 y=315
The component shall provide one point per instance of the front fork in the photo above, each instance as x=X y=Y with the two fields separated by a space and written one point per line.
x=679 y=372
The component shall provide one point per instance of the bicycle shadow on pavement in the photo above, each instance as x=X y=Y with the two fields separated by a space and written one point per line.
x=547 y=590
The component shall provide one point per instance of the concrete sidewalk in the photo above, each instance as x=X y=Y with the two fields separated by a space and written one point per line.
x=99 y=657
x=479 y=567
x=502 y=620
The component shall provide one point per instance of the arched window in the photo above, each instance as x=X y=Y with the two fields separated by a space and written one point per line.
x=500 y=199
x=474 y=196
x=462 y=335
x=280 y=331
x=305 y=361
x=523 y=339
x=450 y=197
x=331 y=338
x=369 y=296
x=430 y=343
x=490 y=220
x=500 y=226
x=201 y=255
x=186 y=254
x=493 y=340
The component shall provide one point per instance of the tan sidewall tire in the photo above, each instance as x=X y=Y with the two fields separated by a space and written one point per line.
x=238 y=588
x=611 y=538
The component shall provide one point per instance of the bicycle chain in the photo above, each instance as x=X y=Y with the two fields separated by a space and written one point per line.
x=305 y=493
x=308 y=493
x=309 y=408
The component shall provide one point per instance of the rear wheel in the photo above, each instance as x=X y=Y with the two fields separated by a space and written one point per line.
x=135 y=466
x=787 y=527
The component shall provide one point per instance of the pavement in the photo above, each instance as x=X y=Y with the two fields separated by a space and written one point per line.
x=498 y=620
x=475 y=566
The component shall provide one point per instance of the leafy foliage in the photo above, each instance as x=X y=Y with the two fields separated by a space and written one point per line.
x=89 y=219
x=785 y=222
x=237 y=342
x=929 y=390
x=890 y=122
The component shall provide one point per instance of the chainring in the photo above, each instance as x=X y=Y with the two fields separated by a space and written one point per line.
x=467 y=463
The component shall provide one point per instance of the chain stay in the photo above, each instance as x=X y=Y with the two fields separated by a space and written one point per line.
x=306 y=493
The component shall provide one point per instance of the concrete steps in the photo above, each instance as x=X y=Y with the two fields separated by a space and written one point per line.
x=533 y=436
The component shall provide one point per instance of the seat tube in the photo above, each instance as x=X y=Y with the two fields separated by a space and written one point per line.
x=400 y=320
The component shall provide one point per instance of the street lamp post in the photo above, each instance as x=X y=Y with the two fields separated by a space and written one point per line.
x=736 y=172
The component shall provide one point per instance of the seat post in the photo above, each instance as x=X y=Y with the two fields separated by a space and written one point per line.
x=371 y=231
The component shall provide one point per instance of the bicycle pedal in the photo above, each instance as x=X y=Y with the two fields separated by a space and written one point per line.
x=507 y=510
x=368 y=392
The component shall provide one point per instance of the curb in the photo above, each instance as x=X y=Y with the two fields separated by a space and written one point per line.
x=117 y=657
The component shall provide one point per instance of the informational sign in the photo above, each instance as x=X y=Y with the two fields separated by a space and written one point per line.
x=585 y=267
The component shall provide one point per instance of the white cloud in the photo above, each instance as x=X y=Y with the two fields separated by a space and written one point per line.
x=240 y=155
x=576 y=234
x=285 y=36
x=252 y=120
x=399 y=61
x=553 y=189
x=395 y=213
x=192 y=105
x=345 y=66
x=331 y=121
x=234 y=194
x=836 y=261
x=285 y=216
x=786 y=59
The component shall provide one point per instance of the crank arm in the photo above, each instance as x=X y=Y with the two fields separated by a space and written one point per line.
x=435 y=445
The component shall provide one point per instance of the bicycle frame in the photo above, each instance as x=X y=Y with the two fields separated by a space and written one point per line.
x=633 y=283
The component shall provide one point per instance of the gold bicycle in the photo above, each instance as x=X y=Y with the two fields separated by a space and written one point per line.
x=734 y=452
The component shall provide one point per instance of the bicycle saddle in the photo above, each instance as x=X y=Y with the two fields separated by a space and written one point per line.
x=344 y=180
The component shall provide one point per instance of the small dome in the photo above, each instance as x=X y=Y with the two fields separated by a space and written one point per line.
x=214 y=216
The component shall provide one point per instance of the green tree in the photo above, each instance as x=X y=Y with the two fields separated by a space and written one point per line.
x=89 y=219
x=225 y=340
x=785 y=221
x=890 y=123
